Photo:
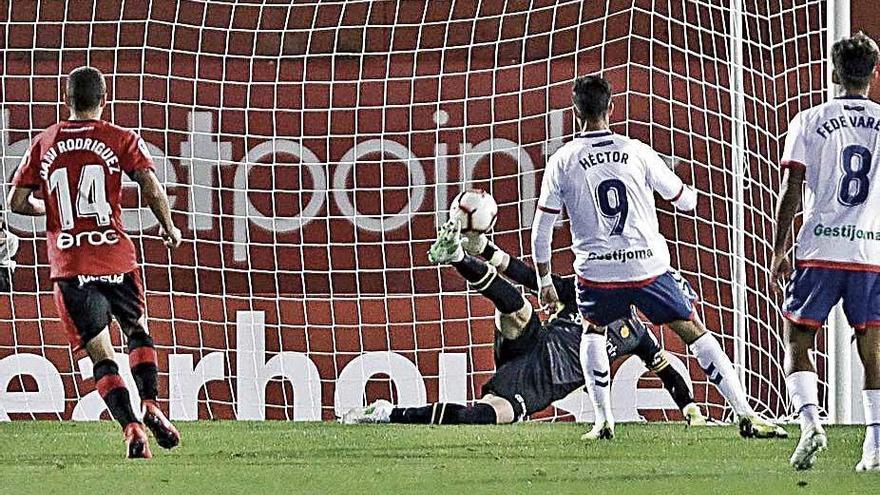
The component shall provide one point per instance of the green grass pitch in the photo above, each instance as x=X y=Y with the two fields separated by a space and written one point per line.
x=281 y=457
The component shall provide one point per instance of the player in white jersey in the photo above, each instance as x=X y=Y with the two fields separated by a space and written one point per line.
x=834 y=148
x=607 y=182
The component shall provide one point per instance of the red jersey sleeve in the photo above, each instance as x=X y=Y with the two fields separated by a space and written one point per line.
x=28 y=172
x=135 y=155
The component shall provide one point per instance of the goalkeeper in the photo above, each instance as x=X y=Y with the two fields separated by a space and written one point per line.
x=536 y=364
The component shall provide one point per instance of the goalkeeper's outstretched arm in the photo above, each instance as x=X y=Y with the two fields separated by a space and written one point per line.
x=489 y=410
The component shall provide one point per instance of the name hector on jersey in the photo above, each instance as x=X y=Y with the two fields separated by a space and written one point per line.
x=592 y=159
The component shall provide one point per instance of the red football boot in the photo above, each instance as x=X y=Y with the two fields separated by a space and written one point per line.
x=136 y=444
x=166 y=434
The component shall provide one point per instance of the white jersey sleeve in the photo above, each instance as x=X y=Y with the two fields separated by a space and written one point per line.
x=795 y=152
x=550 y=199
x=660 y=178
x=549 y=206
x=664 y=181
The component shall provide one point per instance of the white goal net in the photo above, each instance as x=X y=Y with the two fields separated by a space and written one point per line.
x=311 y=148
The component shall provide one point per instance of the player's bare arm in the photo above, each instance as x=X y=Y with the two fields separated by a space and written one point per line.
x=547 y=295
x=790 y=196
x=21 y=200
x=156 y=198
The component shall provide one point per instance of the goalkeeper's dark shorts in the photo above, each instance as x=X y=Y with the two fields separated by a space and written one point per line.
x=86 y=305
x=524 y=374
x=527 y=383
x=527 y=378
x=507 y=350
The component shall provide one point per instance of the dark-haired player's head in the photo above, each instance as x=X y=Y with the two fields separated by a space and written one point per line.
x=86 y=91
x=591 y=96
x=855 y=61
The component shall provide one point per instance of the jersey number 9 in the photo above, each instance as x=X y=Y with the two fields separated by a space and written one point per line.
x=611 y=195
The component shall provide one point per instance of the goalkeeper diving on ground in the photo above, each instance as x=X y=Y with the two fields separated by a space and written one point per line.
x=536 y=363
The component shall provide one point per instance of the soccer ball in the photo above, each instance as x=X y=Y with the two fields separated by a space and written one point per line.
x=476 y=210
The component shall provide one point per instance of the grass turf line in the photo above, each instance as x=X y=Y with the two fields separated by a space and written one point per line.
x=281 y=457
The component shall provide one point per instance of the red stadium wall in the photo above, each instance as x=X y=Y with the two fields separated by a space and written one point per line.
x=210 y=99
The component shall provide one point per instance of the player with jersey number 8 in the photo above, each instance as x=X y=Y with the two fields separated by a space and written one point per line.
x=606 y=182
x=833 y=148
x=76 y=164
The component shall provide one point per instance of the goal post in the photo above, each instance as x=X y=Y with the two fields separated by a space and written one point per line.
x=739 y=162
x=311 y=148
x=840 y=370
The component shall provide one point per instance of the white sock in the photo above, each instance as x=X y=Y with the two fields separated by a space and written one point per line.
x=499 y=257
x=871 y=402
x=803 y=389
x=719 y=370
x=597 y=374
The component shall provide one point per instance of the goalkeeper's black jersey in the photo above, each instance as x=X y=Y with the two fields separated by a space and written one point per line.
x=543 y=365
x=561 y=339
x=559 y=347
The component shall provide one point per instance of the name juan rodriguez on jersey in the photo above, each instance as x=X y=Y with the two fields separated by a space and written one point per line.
x=108 y=156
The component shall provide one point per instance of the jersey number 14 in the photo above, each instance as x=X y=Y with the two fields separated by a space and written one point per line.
x=856 y=164
x=91 y=196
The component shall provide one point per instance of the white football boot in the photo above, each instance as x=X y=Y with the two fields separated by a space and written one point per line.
x=756 y=426
x=8 y=247
x=869 y=462
x=378 y=412
x=813 y=441
x=603 y=430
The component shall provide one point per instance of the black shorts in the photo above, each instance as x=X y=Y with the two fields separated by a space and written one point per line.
x=523 y=374
x=86 y=303
x=527 y=378
x=507 y=350
x=527 y=383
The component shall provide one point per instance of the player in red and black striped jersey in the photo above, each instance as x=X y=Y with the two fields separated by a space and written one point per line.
x=77 y=166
